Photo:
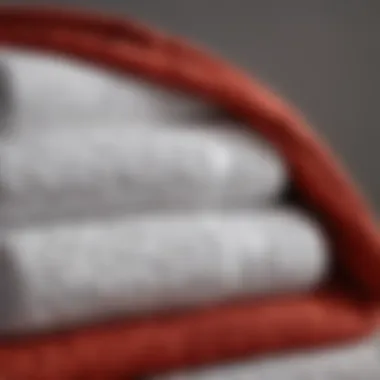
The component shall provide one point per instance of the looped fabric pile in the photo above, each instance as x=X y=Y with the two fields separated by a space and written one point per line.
x=163 y=216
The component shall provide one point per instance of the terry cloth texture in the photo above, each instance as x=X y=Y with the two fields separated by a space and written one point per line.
x=93 y=171
x=138 y=347
x=87 y=93
x=83 y=272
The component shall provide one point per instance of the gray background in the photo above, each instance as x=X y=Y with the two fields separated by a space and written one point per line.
x=323 y=55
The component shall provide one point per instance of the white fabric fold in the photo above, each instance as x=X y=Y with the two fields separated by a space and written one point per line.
x=44 y=88
x=358 y=361
x=62 y=275
x=95 y=171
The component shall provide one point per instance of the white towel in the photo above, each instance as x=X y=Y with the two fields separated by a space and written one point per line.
x=95 y=171
x=79 y=273
x=42 y=89
x=360 y=361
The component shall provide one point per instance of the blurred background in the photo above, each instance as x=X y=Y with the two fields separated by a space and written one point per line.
x=322 y=55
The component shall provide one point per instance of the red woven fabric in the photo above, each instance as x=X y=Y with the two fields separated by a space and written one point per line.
x=158 y=344
x=198 y=337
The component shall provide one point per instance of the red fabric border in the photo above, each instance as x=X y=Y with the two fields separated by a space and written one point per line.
x=198 y=337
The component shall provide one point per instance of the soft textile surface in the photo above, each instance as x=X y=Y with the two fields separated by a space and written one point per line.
x=40 y=89
x=94 y=171
x=205 y=336
x=360 y=361
x=76 y=273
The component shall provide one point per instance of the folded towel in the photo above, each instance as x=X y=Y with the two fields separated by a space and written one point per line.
x=352 y=362
x=75 y=273
x=96 y=171
x=231 y=330
x=44 y=91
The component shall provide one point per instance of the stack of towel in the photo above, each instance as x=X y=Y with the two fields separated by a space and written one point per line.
x=119 y=200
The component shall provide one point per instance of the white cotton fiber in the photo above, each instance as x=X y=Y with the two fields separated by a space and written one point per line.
x=96 y=171
x=45 y=89
x=63 y=275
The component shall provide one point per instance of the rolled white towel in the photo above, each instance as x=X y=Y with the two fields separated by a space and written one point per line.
x=351 y=362
x=96 y=171
x=43 y=89
x=64 y=275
